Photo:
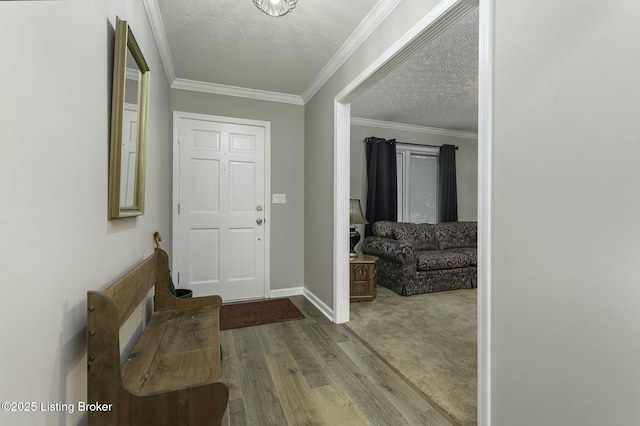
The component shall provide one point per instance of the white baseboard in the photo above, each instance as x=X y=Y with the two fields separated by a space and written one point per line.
x=315 y=301
x=286 y=292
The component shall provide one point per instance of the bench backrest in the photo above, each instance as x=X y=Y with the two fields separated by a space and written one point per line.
x=130 y=290
x=107 y=311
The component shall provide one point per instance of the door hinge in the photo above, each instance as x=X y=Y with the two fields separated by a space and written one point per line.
x=178 y=277
x=178 y=208
x=179 y=138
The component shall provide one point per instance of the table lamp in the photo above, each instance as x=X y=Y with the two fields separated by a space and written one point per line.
x=355 y=218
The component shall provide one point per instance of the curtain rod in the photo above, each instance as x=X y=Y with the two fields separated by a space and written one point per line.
x=421 y=144
x=409 y=143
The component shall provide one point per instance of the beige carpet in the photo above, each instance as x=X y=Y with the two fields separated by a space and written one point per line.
x=431 y=339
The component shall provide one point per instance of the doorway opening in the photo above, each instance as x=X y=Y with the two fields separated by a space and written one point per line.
x=442 y=17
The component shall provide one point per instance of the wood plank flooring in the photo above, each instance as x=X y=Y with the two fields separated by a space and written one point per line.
x=314 y=372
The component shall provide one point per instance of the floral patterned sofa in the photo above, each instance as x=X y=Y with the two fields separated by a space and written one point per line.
x=424 y=258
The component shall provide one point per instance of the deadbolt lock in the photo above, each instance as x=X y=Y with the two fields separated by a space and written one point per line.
x=259 y=208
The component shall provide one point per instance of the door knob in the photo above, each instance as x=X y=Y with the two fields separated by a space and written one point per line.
x=259 y=221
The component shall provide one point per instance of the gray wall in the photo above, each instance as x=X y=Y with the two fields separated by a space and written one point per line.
x=56 y=241
x=319 y=138
x=566 y=255
x=466 y=165
x=287 y=172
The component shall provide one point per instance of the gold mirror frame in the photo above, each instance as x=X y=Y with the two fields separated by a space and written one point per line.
x=126 y=45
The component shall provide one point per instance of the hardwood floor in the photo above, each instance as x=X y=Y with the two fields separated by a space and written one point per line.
x=314 y=372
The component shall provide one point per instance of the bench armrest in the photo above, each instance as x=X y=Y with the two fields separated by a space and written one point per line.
x=198 y=405
x=395 y=250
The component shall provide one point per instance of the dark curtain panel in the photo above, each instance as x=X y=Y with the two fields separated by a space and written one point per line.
x=448 y=193
x=382 y=196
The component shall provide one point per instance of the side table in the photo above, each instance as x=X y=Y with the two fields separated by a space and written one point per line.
x=363 y=278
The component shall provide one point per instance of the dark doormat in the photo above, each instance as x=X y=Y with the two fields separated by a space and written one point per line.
x=248 y=314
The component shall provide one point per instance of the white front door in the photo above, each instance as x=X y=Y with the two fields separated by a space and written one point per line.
x=128 y=155
x=222 y=213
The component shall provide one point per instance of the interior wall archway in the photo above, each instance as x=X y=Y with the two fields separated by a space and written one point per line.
x=437 y=21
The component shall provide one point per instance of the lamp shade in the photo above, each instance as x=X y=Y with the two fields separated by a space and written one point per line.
x=355 y=212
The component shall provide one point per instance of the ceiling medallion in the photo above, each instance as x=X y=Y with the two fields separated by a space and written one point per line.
x=275 y=7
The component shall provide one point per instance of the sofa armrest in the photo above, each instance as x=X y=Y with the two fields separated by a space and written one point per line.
x=395 y=250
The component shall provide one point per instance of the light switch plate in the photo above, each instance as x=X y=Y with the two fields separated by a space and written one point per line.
x=279 y=198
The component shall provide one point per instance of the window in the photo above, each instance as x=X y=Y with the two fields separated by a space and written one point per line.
x=417 y=184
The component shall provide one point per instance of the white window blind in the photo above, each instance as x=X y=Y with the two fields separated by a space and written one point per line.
x=417 y=183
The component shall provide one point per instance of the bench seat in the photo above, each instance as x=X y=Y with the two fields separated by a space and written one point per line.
x=172 y=377
x=178 y=348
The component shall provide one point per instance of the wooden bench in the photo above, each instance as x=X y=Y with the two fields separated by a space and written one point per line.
x=172 y=376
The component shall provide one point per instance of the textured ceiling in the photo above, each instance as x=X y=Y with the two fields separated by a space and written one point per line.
x=437 y=87
x=231 y=42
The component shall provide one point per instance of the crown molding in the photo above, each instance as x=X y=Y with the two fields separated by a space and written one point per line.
x=379 y=12
x=356 y=121
x=160 y=35
x=242 y=92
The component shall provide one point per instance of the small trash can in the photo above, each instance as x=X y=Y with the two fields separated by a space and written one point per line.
x=184 y=293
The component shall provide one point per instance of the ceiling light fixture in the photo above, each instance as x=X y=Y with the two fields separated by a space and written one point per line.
x=275 y=7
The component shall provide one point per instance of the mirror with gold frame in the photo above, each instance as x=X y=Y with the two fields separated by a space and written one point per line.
x=128 y=125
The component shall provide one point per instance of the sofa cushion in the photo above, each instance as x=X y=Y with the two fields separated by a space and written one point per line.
x=383 y=229
x=405 y=233
x=429 y=260
x=420 y=236
x=426 y=236
x=471 y=252
x=456 y=234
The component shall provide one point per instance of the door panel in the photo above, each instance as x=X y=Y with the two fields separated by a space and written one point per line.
x=242 y=143
x=205 y=247
x=206 y=195
x=221 y=220
x=242 y=179
x=242 y=263
x=128 y=153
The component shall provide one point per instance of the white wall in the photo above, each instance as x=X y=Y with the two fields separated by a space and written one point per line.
x=566 y=234
x=56 y=242
x=287 y=173
x=466 y=165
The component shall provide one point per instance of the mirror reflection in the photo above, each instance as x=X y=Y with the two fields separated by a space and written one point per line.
x=129 y=133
